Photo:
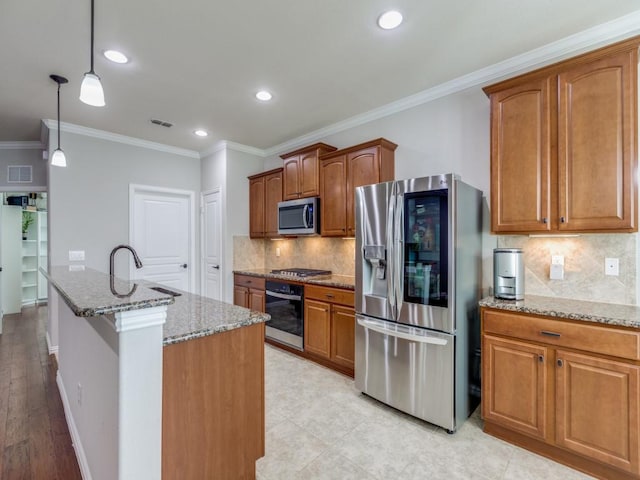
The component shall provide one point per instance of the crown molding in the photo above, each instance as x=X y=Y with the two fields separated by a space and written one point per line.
x=227 y=145
x=21 y=146
x=581 y=42
x=115 y=137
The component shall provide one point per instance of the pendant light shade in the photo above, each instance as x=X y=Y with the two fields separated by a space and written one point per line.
x=58 y=159
x=91 y=91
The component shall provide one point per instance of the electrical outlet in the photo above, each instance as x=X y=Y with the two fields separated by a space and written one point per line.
x=76 y=255
x=79 y=393
x=277 y=251
x=556 y=271
x=611 y=267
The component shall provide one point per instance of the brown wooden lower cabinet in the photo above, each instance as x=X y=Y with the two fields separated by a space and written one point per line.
x=213 y=406
x=248 y=292
x=329 y=327
x=542 y=392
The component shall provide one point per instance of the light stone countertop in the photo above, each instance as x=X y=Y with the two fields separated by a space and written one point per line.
x=347 y=282
x=89 y=293
x=606 y=313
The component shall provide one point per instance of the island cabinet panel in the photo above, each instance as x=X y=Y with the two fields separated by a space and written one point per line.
x=564 y=145
x=213 y=406
x=265 y=191
x=301 y=171
x=597 y=409
x=516 y=384
x=569 y=390
x=341 y=172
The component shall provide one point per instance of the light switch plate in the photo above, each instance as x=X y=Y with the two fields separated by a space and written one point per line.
x=612 y=266
x=557 y=259
x=76 y=255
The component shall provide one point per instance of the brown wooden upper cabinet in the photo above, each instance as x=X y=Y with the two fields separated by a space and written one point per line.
x=301 y=174
x=563 y=146
x=265 y=191
x=344 y=170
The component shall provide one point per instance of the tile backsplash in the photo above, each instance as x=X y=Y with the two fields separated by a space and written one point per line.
x=335 y=254
x=584 y=255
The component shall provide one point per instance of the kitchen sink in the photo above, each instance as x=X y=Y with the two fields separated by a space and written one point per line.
x=166 y=291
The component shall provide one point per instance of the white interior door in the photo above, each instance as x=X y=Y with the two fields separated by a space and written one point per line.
x=162 y=232
x=212 y=245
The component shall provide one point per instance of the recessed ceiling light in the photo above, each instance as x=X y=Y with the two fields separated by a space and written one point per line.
x=264 y=96
x=201 y=133
x=389 y=20
x=116 y=56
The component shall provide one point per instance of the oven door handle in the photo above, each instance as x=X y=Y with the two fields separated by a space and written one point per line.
x=284 y=296
x=400 y=332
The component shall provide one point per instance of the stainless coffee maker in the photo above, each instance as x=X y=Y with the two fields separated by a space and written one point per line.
x=508 y=273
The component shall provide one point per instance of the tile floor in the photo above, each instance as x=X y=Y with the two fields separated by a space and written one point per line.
x=319 y=427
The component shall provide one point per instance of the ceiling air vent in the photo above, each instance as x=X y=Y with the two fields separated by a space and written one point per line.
x=19 y=174
x=162 y=123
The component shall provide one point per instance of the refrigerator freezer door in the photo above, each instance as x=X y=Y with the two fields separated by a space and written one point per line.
x=409 y=368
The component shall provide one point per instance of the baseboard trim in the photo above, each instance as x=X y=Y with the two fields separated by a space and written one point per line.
x=53 y=349
x=73 y=431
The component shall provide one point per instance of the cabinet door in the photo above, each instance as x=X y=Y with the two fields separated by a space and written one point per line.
x=514 y=385
x=256 y=300
x=273 y=195
x=256 y=207
x=343 y=326
x=597 y=409
x=597 y=138
x=521 y=158
x=317 y=326
x=291 y=178
x=333 y=191
x=241 y=296
x=309 y=175
x=363 y=168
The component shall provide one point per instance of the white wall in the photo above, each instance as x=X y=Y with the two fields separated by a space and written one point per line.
x=89 y=199
x=32 y=157
x=229 y=169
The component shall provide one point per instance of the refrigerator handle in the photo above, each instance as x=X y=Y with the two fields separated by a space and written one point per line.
x=398 y=252
x=400 y=332
x=391 y=261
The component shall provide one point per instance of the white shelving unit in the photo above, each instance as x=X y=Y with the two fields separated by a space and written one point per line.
x=34 y=255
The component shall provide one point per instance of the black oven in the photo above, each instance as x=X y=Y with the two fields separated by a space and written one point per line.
x=285 y=304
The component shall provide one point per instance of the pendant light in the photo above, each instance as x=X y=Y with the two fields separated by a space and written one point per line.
x=58 y=158
x=91 y=91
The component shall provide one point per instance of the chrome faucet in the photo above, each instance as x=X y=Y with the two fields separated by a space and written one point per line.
x=136 y=259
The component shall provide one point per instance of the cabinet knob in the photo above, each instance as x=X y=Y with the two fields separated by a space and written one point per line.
x=560 y=362
x=544 y=220
x=329 y=295
x=562 y=220
x=541 y=358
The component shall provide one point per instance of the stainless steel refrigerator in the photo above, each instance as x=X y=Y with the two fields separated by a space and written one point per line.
x=418 y=274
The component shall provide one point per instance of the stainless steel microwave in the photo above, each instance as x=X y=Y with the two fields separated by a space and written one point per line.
x=299 y=217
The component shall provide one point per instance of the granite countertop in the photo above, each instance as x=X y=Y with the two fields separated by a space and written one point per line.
x=90 y=293
x=347 y=282
x=607 y=313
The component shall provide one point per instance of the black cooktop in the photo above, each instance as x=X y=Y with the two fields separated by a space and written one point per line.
x=301 y=272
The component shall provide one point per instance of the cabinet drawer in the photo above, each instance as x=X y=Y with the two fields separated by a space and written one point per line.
x=249 y=281
x=333 y=295
x=588 y=337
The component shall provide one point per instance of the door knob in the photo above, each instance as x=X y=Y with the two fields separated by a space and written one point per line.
x=184 y=265
x=217 y=267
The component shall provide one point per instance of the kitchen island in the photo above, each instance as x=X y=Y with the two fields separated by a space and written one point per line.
x=156 y=385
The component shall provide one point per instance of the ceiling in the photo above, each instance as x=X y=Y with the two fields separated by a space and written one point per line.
x=198 y=63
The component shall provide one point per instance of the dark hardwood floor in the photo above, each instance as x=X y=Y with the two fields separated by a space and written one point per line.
x=34 y=438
